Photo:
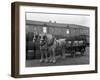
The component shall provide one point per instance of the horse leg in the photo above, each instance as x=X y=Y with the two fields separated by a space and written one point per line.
x=41 y=60
x=50 y=55
x=53 y=56
x=46 y=56
x=63 y=53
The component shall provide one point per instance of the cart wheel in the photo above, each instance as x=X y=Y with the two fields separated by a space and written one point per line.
x=82 y=52
x=73 y=54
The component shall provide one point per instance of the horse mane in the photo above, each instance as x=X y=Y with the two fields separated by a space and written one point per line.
x=50 y=39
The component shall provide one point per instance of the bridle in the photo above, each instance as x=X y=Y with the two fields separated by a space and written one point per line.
x=43 y=41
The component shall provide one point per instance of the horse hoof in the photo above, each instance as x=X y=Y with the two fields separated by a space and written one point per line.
x=50 y=61
x=54 y=61
x=41 y=60
x=46 y=60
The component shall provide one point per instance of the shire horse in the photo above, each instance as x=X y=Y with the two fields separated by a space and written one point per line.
x=48 y=46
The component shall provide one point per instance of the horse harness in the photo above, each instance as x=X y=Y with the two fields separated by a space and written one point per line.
x=45 y=45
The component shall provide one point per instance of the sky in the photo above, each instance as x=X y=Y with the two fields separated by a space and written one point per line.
x=60 y=18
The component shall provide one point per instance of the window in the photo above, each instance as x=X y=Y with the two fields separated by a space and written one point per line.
x=45 y=29
x=67 y=31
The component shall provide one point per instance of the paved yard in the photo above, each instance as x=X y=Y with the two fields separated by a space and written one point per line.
x=77 y=60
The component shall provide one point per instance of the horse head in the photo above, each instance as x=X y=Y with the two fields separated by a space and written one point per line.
x=36 y=37
x=43 y=39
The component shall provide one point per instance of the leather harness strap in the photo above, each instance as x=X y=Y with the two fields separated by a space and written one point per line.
x=51 y=43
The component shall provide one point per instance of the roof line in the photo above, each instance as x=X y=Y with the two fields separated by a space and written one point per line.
x=30 y=22
x=59 y=13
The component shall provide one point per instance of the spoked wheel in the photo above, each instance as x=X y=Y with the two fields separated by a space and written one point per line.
x=82 y=51
x=73 y=53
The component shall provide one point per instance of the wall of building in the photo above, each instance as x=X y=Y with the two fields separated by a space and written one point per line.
x=59 y=31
